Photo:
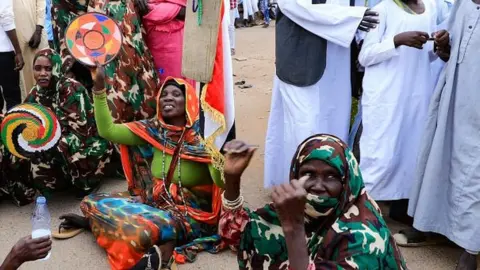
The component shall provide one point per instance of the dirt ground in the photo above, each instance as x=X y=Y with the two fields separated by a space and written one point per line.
x=254 y=63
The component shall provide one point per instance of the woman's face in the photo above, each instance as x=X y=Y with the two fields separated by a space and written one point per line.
x=324 y=180
x=42 y=71
x=172 y=102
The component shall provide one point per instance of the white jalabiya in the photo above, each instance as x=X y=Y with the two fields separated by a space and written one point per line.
x=396 y=93
x=231 y=27
x=299 y=112
x=442 y=22
x=446 y=194
x=250 y=7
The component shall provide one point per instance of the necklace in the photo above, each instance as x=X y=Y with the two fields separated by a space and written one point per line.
x=171 y=201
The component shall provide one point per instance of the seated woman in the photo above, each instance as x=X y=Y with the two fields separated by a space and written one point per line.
x=174 y=198
x=79 y=159
x=322 y=219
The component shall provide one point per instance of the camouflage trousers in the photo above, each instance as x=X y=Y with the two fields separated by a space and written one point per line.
x=22 y=180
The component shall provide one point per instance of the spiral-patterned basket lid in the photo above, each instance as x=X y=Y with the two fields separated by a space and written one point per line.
x=28 y=129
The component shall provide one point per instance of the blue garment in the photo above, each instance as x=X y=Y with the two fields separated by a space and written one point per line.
x=48 y=21
x=265 y=10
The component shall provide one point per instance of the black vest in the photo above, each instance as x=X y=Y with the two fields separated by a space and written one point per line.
x=300 y=55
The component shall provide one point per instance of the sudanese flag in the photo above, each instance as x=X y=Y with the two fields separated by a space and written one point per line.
x=216 y=98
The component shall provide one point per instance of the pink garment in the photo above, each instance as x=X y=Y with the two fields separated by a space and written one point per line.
x=165 y=36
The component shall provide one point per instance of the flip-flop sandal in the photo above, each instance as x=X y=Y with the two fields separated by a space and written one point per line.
x=410 y=238
x=64 y=234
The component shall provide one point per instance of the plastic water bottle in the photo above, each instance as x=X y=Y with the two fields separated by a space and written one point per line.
x=41 y=221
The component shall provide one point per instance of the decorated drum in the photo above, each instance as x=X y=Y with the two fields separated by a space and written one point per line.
x=93 y=37
x=28 y=129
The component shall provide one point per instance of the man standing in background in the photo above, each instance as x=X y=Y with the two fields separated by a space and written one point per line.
x=11 y=59
x=311 y=90
x=265 y=9
x=444 y=198
x=48 y=24
x=29 y=21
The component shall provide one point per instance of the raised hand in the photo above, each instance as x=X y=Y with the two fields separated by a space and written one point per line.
x=237 y=157
x=289 y=200
x=369 y=21
x=98 y=76
x=414 y=39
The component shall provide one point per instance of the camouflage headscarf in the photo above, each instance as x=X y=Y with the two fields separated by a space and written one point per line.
x=46 y=96
x=56 y=61
x=352 y=236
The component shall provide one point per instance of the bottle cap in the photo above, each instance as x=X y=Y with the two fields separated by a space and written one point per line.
x=41 y=200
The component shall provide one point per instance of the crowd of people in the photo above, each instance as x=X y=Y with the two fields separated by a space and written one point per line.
x=410 y=63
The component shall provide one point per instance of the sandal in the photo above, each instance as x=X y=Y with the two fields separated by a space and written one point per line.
x=71 y=226
x=413 y=238
x=64 y=233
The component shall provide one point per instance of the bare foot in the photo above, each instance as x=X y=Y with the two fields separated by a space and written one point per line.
x=167 y=251
x=467 y=261
x=71 y=221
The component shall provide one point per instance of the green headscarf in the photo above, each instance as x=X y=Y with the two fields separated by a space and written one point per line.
x=341 y=233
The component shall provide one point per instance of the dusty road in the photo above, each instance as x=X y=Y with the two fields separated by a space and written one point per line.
x=256 y=45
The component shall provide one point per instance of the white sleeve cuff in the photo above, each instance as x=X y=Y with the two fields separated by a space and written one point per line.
x=8 y=27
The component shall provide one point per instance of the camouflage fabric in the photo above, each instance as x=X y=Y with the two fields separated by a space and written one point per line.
x=344 y=233
x=21 y=189
x=131 y=79
x=64 y=12
x=80 y=158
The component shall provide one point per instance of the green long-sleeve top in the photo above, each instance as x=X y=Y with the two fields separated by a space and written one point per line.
x=193 y=173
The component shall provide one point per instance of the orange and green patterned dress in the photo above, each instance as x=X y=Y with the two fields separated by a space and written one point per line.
x=173 y=188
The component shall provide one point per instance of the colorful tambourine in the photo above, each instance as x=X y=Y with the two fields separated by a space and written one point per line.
x=28 y=129
x=93 y=37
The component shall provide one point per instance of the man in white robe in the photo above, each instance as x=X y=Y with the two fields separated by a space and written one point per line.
x=445 y=198
x=299 y=107
x=30 y=20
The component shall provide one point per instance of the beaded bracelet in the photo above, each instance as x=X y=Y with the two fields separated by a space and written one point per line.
x=234 y=202
x=232 y=205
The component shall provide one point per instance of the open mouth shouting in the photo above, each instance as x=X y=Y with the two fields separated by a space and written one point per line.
x=43 y=82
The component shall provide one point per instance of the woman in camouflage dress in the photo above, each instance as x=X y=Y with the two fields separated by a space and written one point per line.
x=80 y=158
x=132 y=81
x=325 y=219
